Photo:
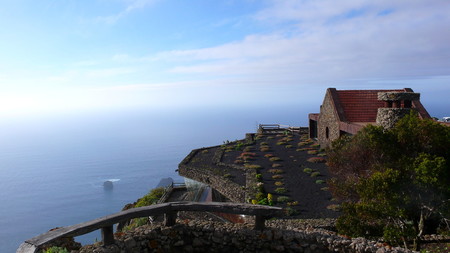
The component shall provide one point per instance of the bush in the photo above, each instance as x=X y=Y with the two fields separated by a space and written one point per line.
x=308 y=170
x=317 y=160
x=151 y=198
x=277 y=177
x=281 y=143
x=228 y=176
x=275 y=165
x=301 y=144
x=276 y=171
x=315 y=146
x=268 y=155
x=280 y=190
x=264 y=148
x=55 y=249
x=312 y=152
x=258 y=177
x=252 y=166
x=334 y=207
x=293 y=203
x=315 y=174
x=274 y=159
x=320 y=181
x=264 y=144
x=279 y=183
x=289 y=146
x=283 y=199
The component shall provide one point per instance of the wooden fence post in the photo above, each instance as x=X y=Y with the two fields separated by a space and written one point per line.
x=108 y=235
x=170 y=218
x=260 y=221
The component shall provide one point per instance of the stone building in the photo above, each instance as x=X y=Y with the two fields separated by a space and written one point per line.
x=347 y=111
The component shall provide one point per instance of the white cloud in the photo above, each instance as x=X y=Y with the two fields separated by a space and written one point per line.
x=329 y=41
x=132 y=5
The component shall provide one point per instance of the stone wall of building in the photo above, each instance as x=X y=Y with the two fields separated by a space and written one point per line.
x=207 y=236
x=327 y=122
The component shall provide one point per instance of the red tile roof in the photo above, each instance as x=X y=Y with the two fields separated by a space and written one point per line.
x=360 y=105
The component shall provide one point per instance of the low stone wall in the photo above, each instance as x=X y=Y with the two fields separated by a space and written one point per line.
x=226 y=187
x=206 y=236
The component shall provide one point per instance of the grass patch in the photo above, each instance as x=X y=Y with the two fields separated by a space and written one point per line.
x=320 y=181
x=151 y=198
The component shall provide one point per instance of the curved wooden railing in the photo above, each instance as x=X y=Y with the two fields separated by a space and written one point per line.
x=168 y=209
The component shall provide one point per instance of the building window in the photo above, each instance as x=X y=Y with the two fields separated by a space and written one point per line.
x=327 y=132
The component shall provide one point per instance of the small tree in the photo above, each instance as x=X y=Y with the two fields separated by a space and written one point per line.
x=394 y=183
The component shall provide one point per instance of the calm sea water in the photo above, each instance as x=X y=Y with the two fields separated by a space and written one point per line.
x=52 y=168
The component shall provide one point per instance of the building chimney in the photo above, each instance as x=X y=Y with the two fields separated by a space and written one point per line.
x=397 y=105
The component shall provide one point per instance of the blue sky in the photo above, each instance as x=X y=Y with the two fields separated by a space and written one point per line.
x=66 y=55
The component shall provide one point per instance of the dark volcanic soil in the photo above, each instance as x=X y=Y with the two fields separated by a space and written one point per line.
x=313 y=199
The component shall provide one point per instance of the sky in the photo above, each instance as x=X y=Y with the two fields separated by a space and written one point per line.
x=74 y=55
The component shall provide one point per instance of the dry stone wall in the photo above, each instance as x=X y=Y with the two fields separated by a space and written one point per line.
x=207 y=236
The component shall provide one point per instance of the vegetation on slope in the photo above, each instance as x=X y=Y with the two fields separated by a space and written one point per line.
x=394 y=183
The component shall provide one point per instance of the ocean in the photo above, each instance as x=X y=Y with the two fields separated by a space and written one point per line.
x=52 y=168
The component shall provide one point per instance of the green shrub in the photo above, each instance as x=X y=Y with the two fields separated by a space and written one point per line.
x=252 y=166
x=264 y=148
x=274 y=159
x=55 y=249
x=321 y=154
x=325 y=188
x=258 y=177
x=151 y=198
x=308 y=170
x=280 y=190
x=277 y=177
x=315 y=146
x=279 y=183
x=315 y=174
x=276 y=171
x=320 y=181
x=228 y=176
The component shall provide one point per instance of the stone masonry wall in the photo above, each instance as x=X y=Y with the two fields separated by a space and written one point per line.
x=207 y=236
x=226 y=187
x=327 y=119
